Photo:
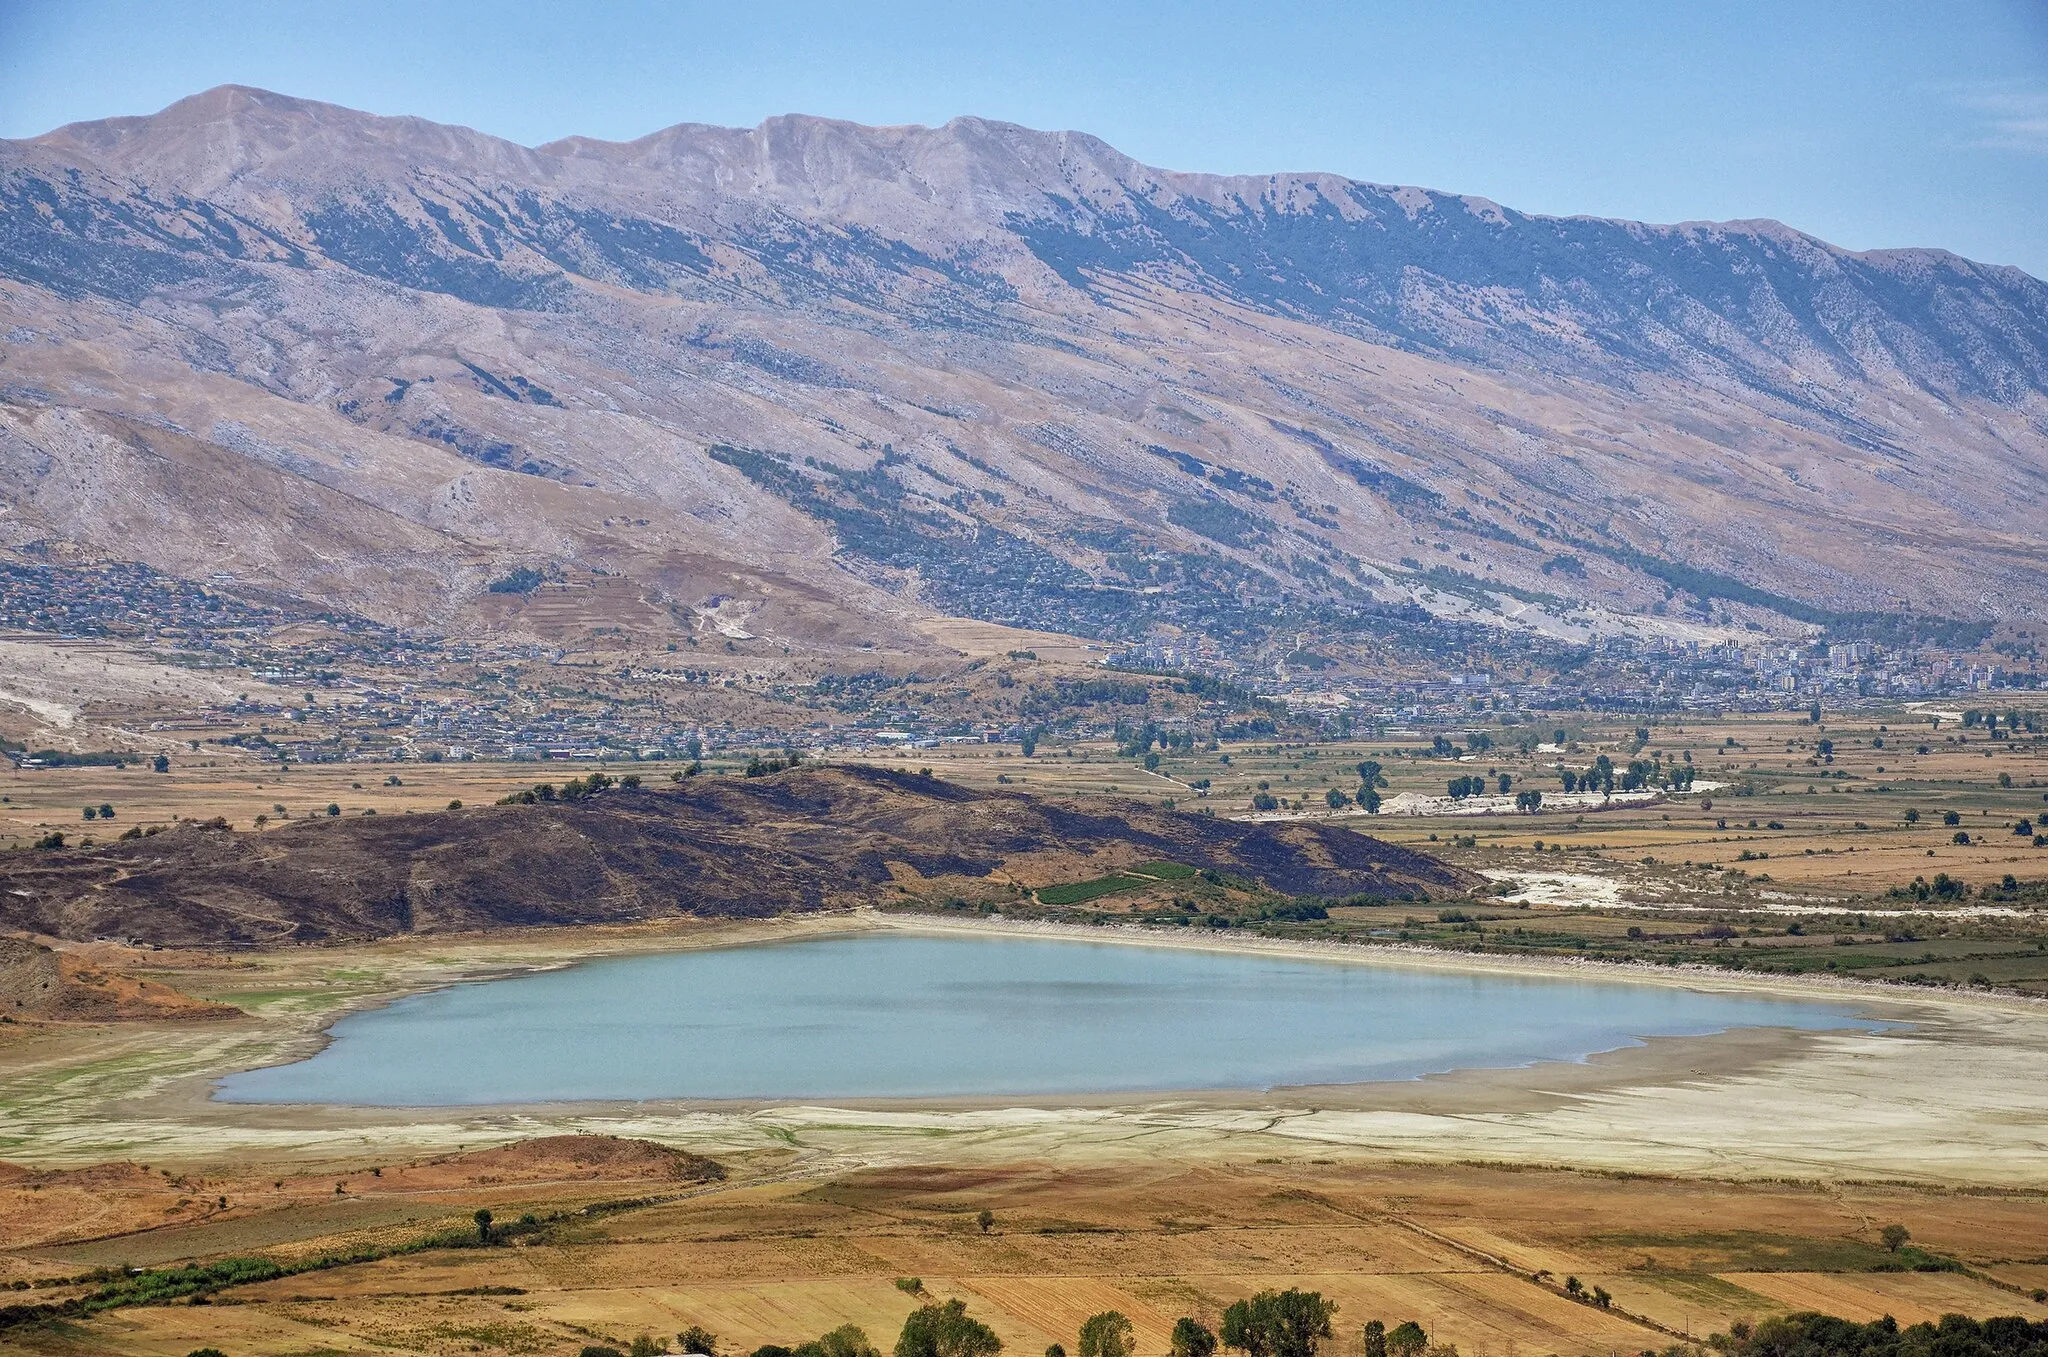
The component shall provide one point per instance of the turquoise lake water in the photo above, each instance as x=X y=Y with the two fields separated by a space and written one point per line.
x=894 y=1015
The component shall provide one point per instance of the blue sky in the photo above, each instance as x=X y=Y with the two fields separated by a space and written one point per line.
x=1870 y=123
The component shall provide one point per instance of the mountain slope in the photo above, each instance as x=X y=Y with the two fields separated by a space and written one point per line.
x=845 y=377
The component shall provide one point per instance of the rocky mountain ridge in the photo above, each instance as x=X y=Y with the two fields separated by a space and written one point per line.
x=841 y=378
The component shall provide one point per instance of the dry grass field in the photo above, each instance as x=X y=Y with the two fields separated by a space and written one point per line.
x=1479 y=1256
x=1841 y=817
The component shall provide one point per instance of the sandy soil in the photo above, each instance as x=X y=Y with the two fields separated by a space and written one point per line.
x=1958 y=1096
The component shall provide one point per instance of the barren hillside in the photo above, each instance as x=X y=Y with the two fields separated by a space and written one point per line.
x=717 y=847
x=814 y=381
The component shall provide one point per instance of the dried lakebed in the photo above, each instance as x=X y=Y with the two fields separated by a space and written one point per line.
x=905 y=1016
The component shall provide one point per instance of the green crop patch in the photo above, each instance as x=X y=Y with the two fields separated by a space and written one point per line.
x=1079 y=892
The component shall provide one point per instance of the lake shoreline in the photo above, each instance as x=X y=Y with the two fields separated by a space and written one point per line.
x=924 y=1015
x=1943 y=1098
x=646 y=940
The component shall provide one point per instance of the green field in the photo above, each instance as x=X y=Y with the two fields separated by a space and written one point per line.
x=1079 y=892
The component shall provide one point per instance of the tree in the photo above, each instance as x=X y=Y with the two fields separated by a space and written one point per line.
x=1335 y=799
x=1894 y=1237
x=1369 y=773
x=946 y=1331
x=985 y=1220
x=698 y=1340
x=1108 y=1334
x=1191 y=1338
x=848 y=1340
x=1375 y=1339
x=160 y=764
x=1027 y=743
x=483 y=1226
x=1506 y=784
x=333 y=809
x=1407 y=1340
x=646 y=1346
x=1278 y=1323
x=1369 y=800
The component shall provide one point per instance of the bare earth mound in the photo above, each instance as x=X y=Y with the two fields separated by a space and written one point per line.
x=804 y=840
x=38 y=982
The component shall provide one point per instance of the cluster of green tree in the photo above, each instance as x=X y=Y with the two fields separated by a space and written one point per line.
x=760 y=767
x=1370 y=779
x=63 y=758
x=1809 y=1334
x=575 y=789
x=1639 y=774
x=1943 y=887
x=523 y=580
x=1304 y=910
x=1133 y=741
x=2013 y=719
x=1218 y=521
x=1406 y=1339
x=1067 y=693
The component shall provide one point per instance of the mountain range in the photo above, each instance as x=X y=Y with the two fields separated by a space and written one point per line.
x=817 y=384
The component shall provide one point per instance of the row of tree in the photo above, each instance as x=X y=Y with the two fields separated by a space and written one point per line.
x=1604 y=777
x=1290 y=1323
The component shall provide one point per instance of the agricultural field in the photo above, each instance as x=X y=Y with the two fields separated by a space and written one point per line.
x=1490 y=1260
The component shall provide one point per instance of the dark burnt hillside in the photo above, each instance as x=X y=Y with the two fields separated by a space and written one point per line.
x=712 y=847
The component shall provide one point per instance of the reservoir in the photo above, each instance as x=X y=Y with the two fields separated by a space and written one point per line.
x=904 y=1015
